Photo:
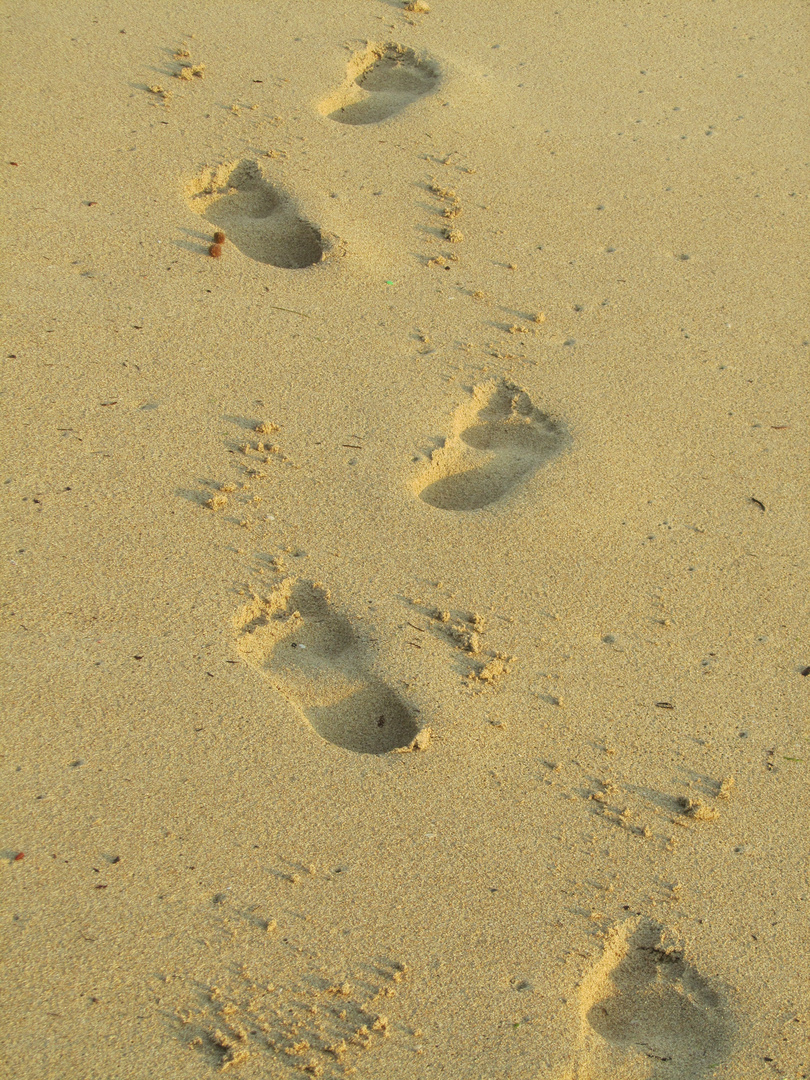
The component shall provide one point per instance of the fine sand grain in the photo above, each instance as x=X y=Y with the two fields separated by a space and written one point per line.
x=406 y=656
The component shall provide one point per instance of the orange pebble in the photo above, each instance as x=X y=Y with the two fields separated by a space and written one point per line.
x=215 y=251
x=219 y=237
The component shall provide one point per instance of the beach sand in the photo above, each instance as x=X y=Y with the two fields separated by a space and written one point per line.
x=404 y=612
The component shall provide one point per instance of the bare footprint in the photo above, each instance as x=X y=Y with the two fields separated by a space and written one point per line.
x=380 y=82
x=499 y=439
x=259 y=218
x=660 y=1018
x=311 y=653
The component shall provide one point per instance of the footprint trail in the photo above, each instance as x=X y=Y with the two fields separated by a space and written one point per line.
x=311 y=653
x=381 y=81
x=499 y=440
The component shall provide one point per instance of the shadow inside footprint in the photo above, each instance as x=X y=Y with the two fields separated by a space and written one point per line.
x=658 y=1005
x=508 y=441
x=381 y=82
x=314 y=657
x=256 y=216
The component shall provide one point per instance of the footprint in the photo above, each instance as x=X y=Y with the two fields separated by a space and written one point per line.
x=499 y=439
x=312 y=654
x=381 y=81
x=661 y=1018
x=260 y=219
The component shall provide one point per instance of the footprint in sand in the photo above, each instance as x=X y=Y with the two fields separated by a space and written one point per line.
x=499 y=439
x=380 y=82
x=259 y=218
x=655 y=1015
x=313 y=656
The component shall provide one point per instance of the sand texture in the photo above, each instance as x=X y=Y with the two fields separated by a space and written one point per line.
x=405 y=518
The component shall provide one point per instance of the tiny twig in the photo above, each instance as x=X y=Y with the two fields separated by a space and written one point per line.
x=303 y=314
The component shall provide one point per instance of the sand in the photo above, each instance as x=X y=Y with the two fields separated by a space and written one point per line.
x=404 y=612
